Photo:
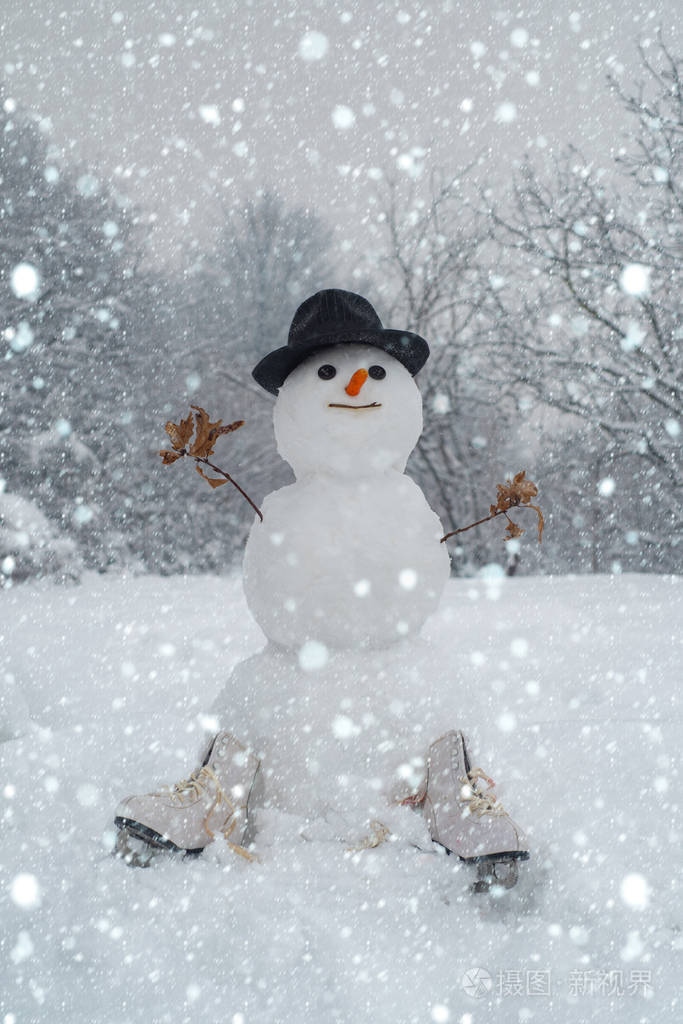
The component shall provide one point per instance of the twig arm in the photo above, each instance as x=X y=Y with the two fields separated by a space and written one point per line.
x=494 y=515
x=216 y=469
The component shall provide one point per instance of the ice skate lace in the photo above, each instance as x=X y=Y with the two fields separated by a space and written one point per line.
x=479 y=801
x=199 y=784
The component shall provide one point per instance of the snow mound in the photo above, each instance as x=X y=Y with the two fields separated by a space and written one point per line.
x=30 y=545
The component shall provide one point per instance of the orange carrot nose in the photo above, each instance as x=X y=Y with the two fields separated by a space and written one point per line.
x=356 y=383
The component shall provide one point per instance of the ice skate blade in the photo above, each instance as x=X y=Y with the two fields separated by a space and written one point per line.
x=137 y=845
x=133 y=851
x=489 y=879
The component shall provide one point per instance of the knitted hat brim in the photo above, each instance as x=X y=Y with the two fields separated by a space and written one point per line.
x=409 y=349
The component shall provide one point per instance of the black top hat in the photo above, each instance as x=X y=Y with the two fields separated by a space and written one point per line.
x=332 y=317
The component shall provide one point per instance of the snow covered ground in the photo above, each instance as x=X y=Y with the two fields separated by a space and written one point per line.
x=568 y=689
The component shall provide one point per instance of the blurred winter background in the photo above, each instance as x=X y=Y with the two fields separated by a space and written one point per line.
x=176 y=178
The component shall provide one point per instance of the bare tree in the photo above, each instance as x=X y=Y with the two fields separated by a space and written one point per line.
x=436 y=281
x=591 y=303
x=231 y=305
x=268 y=257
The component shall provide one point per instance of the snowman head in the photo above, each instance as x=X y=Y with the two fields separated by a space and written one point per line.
x=348 y=409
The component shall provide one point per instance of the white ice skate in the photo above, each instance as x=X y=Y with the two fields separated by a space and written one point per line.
x=187 y=817
x=465 y=817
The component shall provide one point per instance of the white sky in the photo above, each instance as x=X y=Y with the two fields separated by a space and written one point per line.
x=194 y=105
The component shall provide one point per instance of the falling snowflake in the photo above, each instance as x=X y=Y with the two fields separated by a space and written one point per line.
x=635 y=891
x=519 y=37
x=407 y=579
x=25 y=891
x=210 y=114
x=25 y=281
x=21 y=337
x=313 y=46
x=343 y=118
x=344 y=728
x=506 y=113
x=634 y=336
x=313 y=656
x=635 y=279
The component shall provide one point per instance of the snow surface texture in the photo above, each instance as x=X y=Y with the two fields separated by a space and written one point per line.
x=376 y=575
x=568 y=691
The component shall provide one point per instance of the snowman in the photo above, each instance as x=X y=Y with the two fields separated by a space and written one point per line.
x=340 y=575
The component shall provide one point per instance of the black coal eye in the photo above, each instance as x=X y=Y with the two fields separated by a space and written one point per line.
x=377 y=372
x=327 y=372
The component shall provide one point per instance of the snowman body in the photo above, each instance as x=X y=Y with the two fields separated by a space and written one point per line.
x=349 y=556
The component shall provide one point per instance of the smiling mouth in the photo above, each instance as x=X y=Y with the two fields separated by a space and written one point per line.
x=341 y=405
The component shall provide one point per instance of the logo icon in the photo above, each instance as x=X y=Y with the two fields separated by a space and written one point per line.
x=477 y=982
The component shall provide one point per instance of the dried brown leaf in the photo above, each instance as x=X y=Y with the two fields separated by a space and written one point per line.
x=169 y=457
x=206 y=433
x=512 y=530
x=524 y=489
x=518 y=491
x=215 y=481
x=540 y=521
x=515 y=493
x=180 y=433
x=229 y=427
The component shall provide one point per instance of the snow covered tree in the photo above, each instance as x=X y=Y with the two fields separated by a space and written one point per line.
x=68 y=260
x=591 y=302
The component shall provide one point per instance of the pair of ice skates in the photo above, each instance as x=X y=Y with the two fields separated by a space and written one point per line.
x=462 y=814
